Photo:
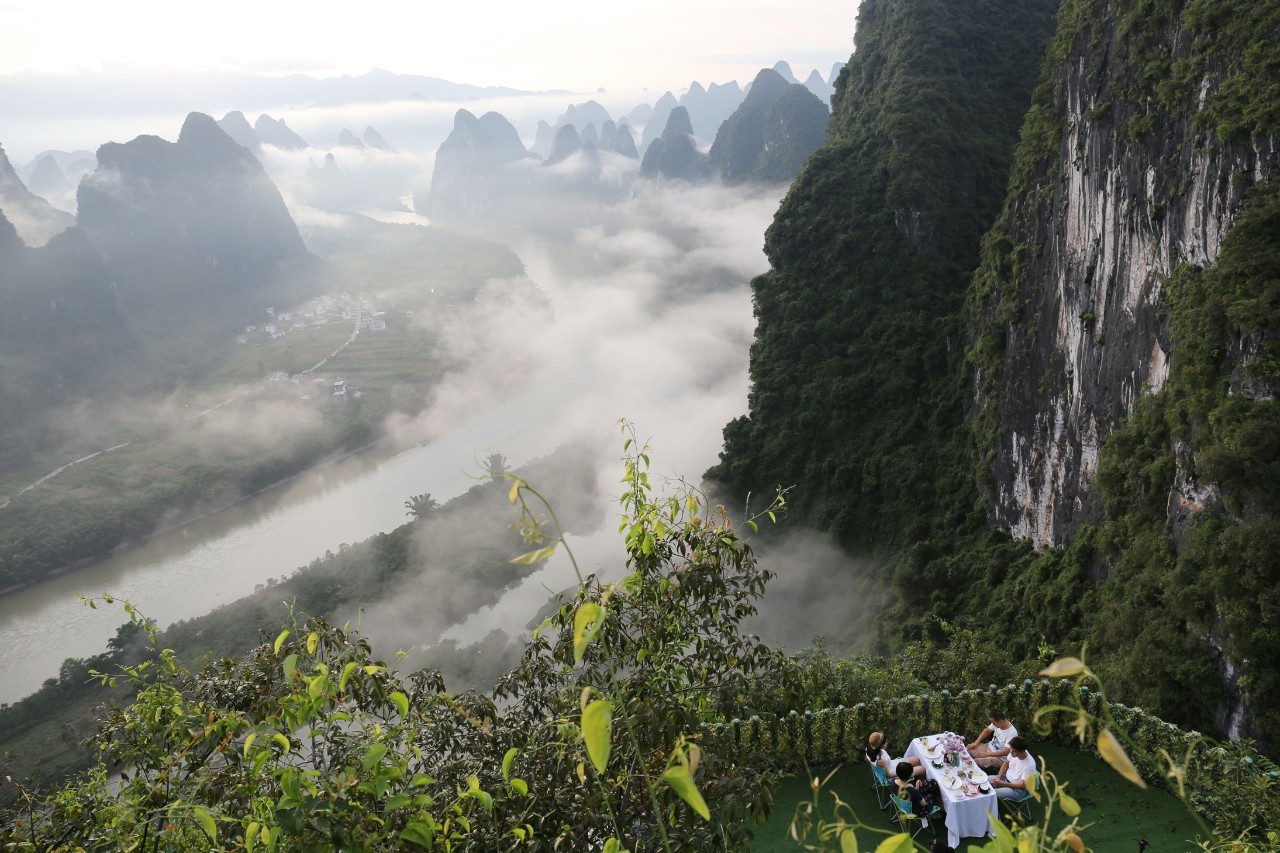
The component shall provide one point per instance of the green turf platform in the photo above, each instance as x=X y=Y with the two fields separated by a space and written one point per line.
x=1120 y=813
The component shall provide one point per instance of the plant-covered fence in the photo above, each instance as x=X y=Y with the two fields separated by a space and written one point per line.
x=1219 y=781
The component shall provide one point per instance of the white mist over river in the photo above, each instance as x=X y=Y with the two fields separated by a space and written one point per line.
x=653 y=323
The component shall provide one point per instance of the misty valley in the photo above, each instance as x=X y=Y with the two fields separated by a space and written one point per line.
x=394 y=463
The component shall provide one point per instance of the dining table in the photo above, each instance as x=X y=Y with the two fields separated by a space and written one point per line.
x=966 y=805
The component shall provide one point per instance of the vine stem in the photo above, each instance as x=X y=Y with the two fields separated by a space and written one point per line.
x=648 y=785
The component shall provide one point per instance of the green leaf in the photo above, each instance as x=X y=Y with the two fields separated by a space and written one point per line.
x=534 y=555
x=206 y=823
x=1004 y=842
x=848 y=842
x=597 y=732
x=282 y=740
x=346 y=674
x=251 y=836
x=677 y=776
x=373 y=669
x=419 y=832
x=1113 y=753
x=280 y=641
x=290 y=667
x=1069 y=805
x=398 y=801
x=401 y=702
x=248 y=742
x=1063 y=668
x=900 y=843
x=520 y=787
x=507 y=761
x=586 y=623
x=374 y=755
x=313 y=639
x=613 y=845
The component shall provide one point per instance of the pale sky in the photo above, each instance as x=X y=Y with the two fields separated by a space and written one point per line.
x=544 y=44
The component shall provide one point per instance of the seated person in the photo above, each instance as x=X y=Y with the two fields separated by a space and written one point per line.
x=992 y=745
x=1011 y=781
x=923 y=795
x=878 y=753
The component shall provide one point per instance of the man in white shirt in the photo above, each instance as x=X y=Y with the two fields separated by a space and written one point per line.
x=1011 y=781
x=992 y=745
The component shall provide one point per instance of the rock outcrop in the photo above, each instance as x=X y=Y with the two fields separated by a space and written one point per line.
x=475 y=166
x=347 y=139
x=657 y=121
x=192 y=229
x=675 y=155
x=35 y=219
x=566 y=144
x=710 y=107
x=49 y=181
x=275 y=132
x=235 y=125
x=771 y=135
x=814 y=83
x=374 y=140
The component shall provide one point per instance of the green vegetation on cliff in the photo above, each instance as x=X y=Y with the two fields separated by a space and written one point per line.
x=1171 y=581
x=858 y=392
x=861 y=376
x=1192 y=489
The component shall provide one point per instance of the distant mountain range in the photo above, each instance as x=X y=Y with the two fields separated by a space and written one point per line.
x=767 y=132
x=104 y=94
x=173 y=244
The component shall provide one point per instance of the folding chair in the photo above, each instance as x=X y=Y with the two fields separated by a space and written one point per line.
x=881 y=785
x=905 y=816
x=1020 y=803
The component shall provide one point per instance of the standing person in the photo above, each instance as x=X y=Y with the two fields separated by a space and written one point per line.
x=1011 y=780
x=992 y=746
x=878 y=753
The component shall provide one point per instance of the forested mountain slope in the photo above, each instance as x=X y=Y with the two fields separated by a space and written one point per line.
x=1127 y=314
x=1121 y=376
x=857 y=396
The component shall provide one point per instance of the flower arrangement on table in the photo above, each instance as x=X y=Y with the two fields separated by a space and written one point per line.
x=953 y=747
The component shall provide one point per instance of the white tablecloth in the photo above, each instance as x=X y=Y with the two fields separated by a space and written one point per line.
x=966 y=816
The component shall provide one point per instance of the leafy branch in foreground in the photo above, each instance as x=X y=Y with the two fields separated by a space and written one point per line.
x=593 y=742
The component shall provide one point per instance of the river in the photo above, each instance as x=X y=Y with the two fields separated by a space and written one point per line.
x=216 y=560
x=632 y=338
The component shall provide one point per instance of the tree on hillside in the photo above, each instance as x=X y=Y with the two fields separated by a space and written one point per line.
x=420 y=506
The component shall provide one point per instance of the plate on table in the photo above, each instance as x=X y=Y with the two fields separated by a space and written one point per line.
x=951 y=782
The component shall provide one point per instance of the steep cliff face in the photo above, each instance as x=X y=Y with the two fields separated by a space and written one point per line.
x=1127 y=173
x=1127 y=352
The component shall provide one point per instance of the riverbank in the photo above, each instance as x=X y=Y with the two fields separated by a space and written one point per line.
x=173 y=527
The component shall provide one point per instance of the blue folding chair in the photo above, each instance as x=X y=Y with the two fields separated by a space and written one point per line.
x=1019 y=803
x=909 y=821
x=881 y=785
